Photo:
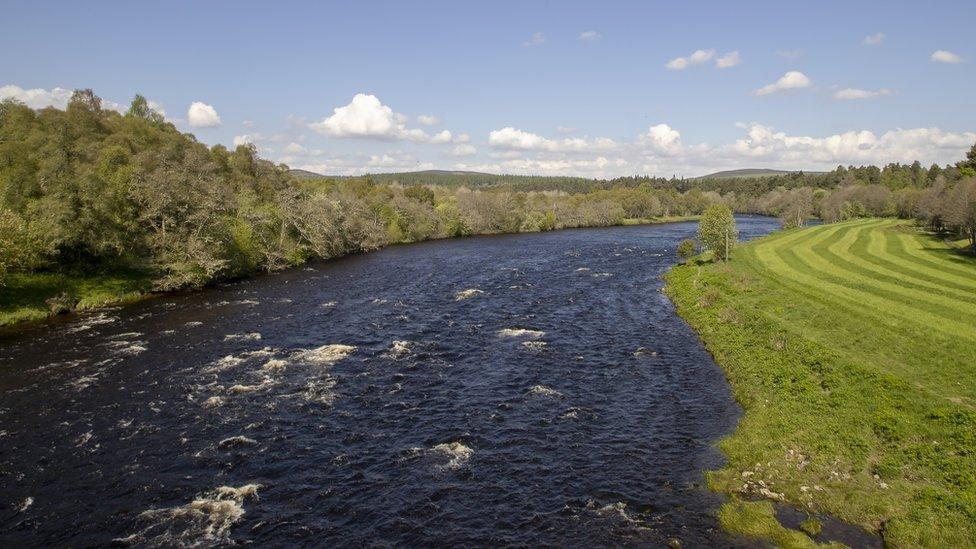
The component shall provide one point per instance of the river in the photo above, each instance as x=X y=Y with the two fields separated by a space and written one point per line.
x=374 y=400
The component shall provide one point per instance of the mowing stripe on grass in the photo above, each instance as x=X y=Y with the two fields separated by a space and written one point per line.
x=785 y=261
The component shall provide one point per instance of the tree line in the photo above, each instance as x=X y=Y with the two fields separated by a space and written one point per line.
x=87 y=189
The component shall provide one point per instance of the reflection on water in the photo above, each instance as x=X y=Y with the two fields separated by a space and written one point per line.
x=526 y=389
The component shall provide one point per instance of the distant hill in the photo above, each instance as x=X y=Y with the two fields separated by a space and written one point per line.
x=304 y=174
x=748 y=173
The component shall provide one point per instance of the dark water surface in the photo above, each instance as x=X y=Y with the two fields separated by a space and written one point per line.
x=238 y=414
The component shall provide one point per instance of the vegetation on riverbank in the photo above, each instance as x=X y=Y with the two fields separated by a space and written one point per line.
x=852 y=349
x=88 y=193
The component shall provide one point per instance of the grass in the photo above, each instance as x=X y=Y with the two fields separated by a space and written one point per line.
x=24 y=295
x=852 y=349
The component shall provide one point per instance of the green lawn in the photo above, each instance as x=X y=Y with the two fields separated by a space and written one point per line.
x=23 y=297
x=852 y=349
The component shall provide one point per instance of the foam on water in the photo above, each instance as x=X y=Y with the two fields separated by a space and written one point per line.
x=457 y=453
x=251 y=336
x=239 y=440
x=24 y=505
x=399 y=349
x=275 y=365
x=520 y=332
x=534 y=345
x=214 y=402
x=466 y=294
x=544 y=391
x=320 y=390
x=326 y=355
x=243 y=389
x=206 y=520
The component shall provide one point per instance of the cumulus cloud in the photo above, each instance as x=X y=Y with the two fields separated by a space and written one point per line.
x=428 y=120
x=462 y=138
x=942 y=56
x=855 y=93
x=37 y=98
x=514 y=139
x=730 y=59
x=366 y=116
x=874 y=39
x=696 y=58
x=464 y=150
x=661 y=139
x=590 y=36
x=243 y=140
x=202 y=115
x=927 y=145
x=536 y=39
x=565 y=129
x=295 y=148
x=441 y=137
x=789 y=81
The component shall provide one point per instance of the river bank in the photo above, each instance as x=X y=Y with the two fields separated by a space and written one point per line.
x=31 y=297
x=850 y=347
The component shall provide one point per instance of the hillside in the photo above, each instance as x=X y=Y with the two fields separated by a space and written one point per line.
x=747 y=173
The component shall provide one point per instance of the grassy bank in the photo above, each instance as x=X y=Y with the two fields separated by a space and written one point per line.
x=852 y=349
x=25 y=295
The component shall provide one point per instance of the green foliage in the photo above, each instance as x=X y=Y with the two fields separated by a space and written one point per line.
x=850 y=351
x=686 y=249
x=717 y=231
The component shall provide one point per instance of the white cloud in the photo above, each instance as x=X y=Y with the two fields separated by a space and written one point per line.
x=513 y=139
x=590 y=36
x=874 y=39
x=242 y=140
x=565 y=129
x=37 y=98
x=365 y=116
x=696 y=58
x=942 y=56
x=778 y=149
x=295 y=148
x=463 y=150
x=789 y=81
x=661 y=139
x=659 y=151
x=462 y=138
x=428 y=120
x=536 y=39
x=247 y=124
x=441 y=137
x=202 y=115
x=855 y=93
x=730 y=59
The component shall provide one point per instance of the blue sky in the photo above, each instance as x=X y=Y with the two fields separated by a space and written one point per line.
x=579 y=88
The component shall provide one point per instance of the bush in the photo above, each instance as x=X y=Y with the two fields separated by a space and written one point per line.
x=687 y=249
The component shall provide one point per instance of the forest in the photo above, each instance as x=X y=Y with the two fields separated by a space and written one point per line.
x=87 y=189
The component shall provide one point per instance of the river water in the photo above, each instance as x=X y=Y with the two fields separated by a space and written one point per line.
x=370 y=400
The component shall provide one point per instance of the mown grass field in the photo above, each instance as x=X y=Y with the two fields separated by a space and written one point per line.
x=852 y=349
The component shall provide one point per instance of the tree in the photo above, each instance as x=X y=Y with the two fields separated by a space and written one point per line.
x=968 y=166
x=717 y=231
x=686 y=249
x=961 y=210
